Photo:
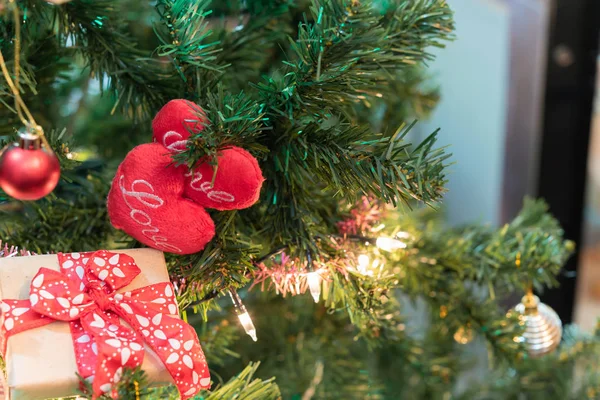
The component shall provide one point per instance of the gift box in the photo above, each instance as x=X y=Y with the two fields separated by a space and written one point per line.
x=94 y=314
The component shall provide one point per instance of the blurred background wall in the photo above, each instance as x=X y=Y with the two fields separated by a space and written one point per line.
x=517 y=90
x=473 y=76
x=491 y=81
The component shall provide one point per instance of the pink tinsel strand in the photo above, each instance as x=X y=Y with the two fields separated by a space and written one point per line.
x=13 y=251
x=287 y=277
x=284 y=279
x=364 y=216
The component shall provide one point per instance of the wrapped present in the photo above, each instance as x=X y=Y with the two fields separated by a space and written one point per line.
x=93 y=314
x=3 y=387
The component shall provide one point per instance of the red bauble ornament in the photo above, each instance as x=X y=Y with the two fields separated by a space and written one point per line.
x=27 y=171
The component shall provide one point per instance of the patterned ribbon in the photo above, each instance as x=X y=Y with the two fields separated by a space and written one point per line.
x=85 y=294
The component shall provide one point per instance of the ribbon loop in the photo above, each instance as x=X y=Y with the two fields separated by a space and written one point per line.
x=56 y=296
x=115 y=270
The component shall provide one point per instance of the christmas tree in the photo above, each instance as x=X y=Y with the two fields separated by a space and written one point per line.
x=342 y=269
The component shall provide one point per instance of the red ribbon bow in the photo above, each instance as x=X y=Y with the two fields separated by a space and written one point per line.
x=85 y=294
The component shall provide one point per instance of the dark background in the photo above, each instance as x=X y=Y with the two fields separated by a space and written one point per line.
x=569 y=98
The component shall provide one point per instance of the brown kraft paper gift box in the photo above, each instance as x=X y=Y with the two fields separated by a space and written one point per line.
x=40 y=362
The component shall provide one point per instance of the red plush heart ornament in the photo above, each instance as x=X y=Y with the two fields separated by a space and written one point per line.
x=175 y=122
x=162 y=205
x=236 y=185
x=146 y=201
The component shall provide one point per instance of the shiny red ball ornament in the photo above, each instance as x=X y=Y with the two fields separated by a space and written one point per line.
x=27 y=170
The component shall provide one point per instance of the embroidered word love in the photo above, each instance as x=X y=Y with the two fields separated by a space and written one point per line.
x=178 y=145
x=149 y=199
x=207 y=188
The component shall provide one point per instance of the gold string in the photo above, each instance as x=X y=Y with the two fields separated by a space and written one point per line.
x=20 y=106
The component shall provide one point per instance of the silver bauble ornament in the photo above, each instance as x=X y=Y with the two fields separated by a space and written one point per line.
x=543 y=327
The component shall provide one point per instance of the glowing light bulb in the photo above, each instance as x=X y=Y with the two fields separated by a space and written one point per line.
x=248 y=325
x=242 y=313
x=314 y=284
x=363 y=264
x=403 y=235
x=363 y=260
x=389 y=244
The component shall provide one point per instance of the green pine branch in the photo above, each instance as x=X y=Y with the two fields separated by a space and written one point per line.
x=242 y=386
x=347 y=51
x=134 y=385
x=97 y=30
x=230 y=120
x=217 y=340
x=354 y=162
x=529 y=250
x=569 y=373
x=41 y=66
x=73 y=218
x=245 y=386
x=226 y=262
x=187 y=42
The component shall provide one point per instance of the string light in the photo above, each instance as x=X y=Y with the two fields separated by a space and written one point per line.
x=403 y=235
x=389 y=244
x=368 y=268
x=363 y=264
x=242 y=313
x=377 y=263
x=314 y=285
x=313 y=278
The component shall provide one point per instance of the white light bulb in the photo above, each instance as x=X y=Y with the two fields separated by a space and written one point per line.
x=363 y=261
x=246 y=322
x=363 y=264
x=242 y=314
x=389 y=244
x=314 y=284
